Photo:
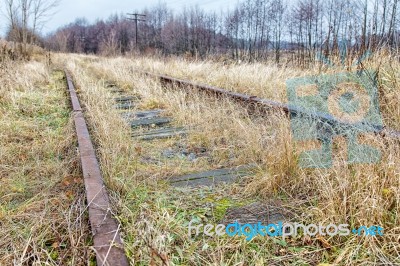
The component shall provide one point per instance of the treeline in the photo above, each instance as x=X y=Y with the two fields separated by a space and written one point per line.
x=253 y=30
x=25 y=20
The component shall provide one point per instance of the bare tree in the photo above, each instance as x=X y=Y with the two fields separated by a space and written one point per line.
x=25 y=17
x=42 y=11
x=11 y=13
x=276 y=15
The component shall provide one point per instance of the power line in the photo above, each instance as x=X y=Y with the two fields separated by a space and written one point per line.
x=136 y=17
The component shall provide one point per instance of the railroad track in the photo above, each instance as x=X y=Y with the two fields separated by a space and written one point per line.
x=149 y=125
x=267 y=104
x=106 y=230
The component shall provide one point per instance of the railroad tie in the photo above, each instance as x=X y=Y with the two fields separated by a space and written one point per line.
x=212 y=177
x=107 y=241
x=162 y=133
x=130 y=98
x=125 y=105
x=150 y=122
x=144 y=119
x=125 y=102
x=149 y=119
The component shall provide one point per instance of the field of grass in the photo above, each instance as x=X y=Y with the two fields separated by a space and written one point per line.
x=155 y=216
x=42 y=208
x=43 y=217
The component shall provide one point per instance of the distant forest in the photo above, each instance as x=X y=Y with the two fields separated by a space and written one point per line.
x=252 y=30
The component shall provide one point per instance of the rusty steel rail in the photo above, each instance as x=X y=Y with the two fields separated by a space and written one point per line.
x=223 y=92
x=269 y=104
x=105 y=229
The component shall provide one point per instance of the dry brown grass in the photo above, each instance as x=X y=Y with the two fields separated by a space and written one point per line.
x=156 y=217
x=11 y=51
x=268 y=80
x=42 y=211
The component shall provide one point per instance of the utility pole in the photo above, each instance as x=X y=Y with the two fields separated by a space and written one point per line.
x=136 y=17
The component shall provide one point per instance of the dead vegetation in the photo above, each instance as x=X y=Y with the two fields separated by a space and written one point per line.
x=269 y=81
x=155 y=216
x=42 y=211
x=11 y=51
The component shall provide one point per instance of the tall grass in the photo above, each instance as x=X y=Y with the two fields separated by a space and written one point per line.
x=42 y=211
x=363 y=194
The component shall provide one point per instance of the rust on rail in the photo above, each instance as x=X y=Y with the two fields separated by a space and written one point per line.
x=288 y=109
x=105 y=229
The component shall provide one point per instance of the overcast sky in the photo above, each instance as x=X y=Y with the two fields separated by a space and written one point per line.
x=69 y=10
